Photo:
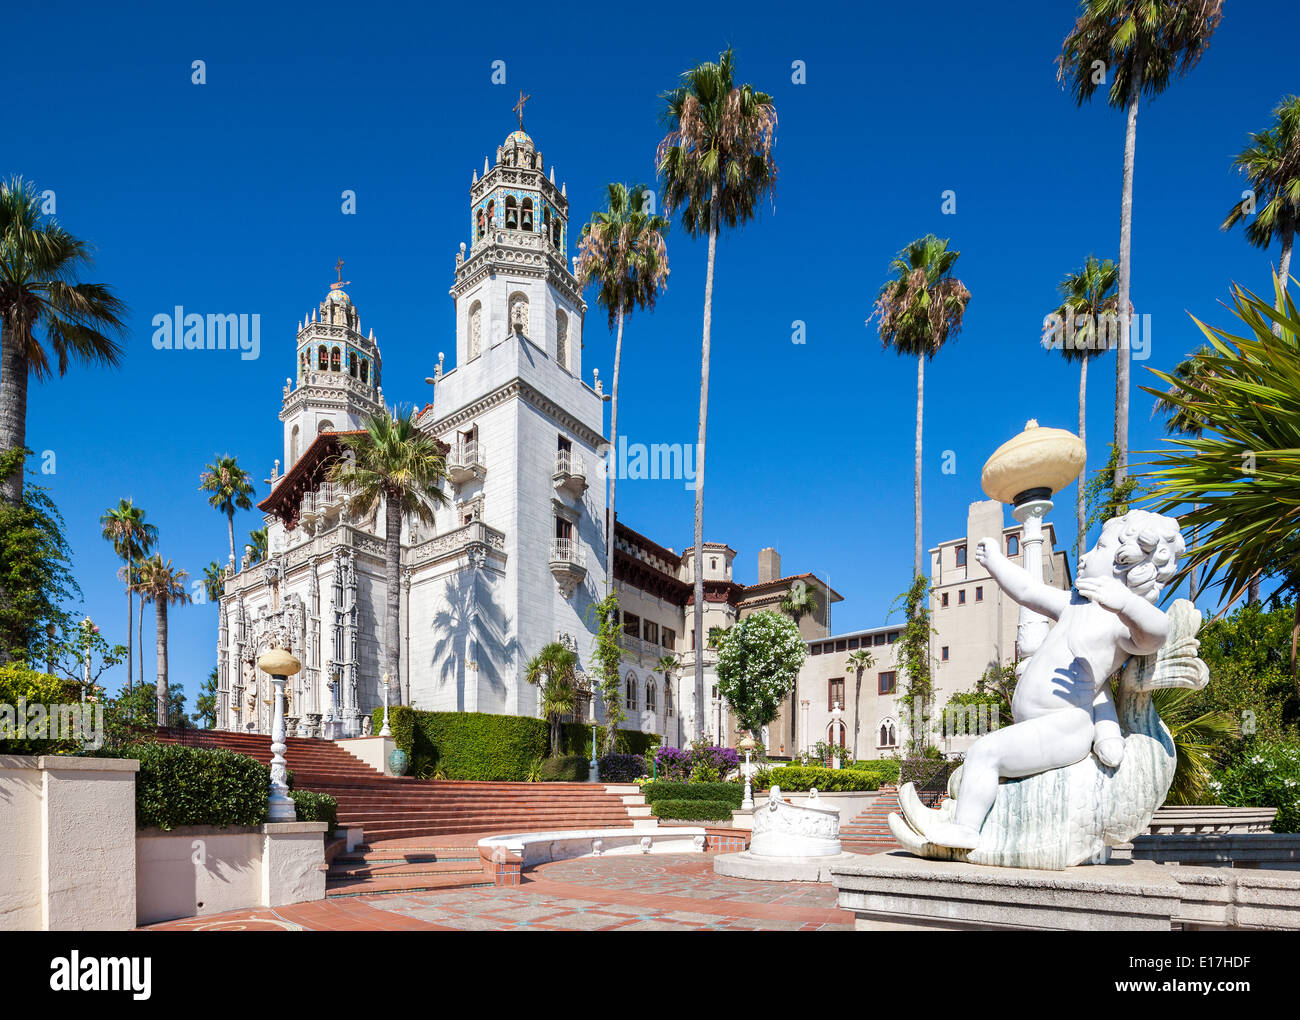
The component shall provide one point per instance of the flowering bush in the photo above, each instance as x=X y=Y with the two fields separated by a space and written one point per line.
x=1267 y=776
x=758 y=665
x=702 y=763
x=672 y=763
x=621 y=768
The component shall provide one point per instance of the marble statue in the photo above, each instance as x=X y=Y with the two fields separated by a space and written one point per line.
x=1079 y=770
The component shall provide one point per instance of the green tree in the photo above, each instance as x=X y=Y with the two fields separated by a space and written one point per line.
x=800 y=601
x=257 y=540
x=555 y=671
x=919 y=310
x=758 y=666
x=133 y=538
x=607 y=659
x=393 y=462
x=1137 y=47
x=83 y=656
x=913 y=658
x=230 y=489
x=41 y=296
x=214 y=581
x=1087 y=303
x=623 y=253
x=858 y=663
x=205 y=705
x=716 y=165
x=163 y=585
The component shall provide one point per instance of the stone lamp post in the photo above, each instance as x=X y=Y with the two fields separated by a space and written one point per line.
x=747 y=745
x=1026 y=471
x=593 y=766
x=385 y=732
x=281 y=665
x=837 y=724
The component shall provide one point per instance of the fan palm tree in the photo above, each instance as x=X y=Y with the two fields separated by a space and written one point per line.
x=858 y=663
x=40 y=294
x=1087 y=299
x=1271 y=162
x=1139 y=46
x=716 y=165
x=393 y=462
x=624 y=255
x=163 y=585
x=257 y=540
x=1183 y=422
x=799 y=601
x=920 y=310
x=1239 y=474
x=555 y=670
x=214 y=581
x=670 y=666
x=230 y=488
x=132 y=537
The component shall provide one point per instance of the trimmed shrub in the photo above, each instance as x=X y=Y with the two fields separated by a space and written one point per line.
x=800 y=778
x=571 y=769
x=468 y=745
x=316 y=807
x=19 y=682
x=179 y=785
x=575 y=739
x=621 y=768
x=884 y=769
x=731 y=793
x=694 y=810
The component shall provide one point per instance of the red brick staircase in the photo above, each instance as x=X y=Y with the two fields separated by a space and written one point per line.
x=869 y=832
x=419 y=834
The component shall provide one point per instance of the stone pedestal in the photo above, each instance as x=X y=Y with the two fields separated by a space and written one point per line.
x=899 y=892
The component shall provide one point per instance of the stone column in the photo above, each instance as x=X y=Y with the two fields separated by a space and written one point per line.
x=1031 y=627
x=280 y=665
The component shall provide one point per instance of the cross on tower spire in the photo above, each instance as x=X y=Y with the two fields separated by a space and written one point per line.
x=338 y=268
x=519 y=107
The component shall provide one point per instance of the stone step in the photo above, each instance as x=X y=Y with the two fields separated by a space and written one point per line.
x=406 y=884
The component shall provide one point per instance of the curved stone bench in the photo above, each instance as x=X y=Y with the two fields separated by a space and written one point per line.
x=504 y=857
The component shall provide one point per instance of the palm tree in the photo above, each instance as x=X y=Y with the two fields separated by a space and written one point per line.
x=1239 y=473
x=1138 y=46
x=40 y=293
x=392 y=461
x=858 y=663
x=214 y=581
x=258 y=541
x=920 y=310
x=1271 y=162
x=1183 y=421
x=163 y=585
x=1087 y=294
x=132 y=537
x=799 y=601
x=231 y=488
x=669 y=666
x=624 y=254
x=716 y=164
x=555 y=670
x=1195 y=736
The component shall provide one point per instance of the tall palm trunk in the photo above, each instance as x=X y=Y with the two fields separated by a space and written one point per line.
x=1126 y=275
x=1284 y=265
x=13 y=407
x=160 y=606
x=857 y=713
x=1083 y=471
x=392 y=622
x=916 y=483
x=139 y=643
x=700 y=642
x=230 y=528
x=130 y=623
x=613 y=458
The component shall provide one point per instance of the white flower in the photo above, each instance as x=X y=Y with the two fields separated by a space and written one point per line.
x=1257 y=760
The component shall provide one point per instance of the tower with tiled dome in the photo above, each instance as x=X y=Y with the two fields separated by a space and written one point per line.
x=338 y=373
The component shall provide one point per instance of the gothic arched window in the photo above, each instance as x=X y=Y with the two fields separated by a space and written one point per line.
x=336 y=360
x=1013 y=545
x=353 y=366
x=650 y=696
x=668 y=697
x=631 y=690
x=887 y=736
x=365 y=370
x=546 y=222
x=481 y=229
x=526 y=215
x=562 y=339
x=323 y=359
x=512 y=213
x=491 y=215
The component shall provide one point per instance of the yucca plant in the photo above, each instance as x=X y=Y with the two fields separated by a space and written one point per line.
x=1241 y=474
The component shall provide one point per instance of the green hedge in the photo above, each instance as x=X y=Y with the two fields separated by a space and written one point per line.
x=573 y=768
x=884 y=769
x=802 y=778
x=694 y=810
x=316 y=807
x=468 y=745
x=179 y=785
x=730 y=793
x=575 y=739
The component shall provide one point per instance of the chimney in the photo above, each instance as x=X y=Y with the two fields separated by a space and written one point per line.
x=769 y=565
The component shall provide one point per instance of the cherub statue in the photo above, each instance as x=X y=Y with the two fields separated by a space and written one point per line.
x=1064 y=712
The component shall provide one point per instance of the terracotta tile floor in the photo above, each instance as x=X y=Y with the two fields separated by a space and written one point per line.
x=668 y=892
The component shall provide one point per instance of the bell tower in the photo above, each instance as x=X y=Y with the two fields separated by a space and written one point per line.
x=338 y=373
x=513 y=278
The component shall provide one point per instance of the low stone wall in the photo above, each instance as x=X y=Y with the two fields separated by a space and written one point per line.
x=374 y=750
x=1249 y=850
x=67 y=843
x=1170 y=820
x=197 y=870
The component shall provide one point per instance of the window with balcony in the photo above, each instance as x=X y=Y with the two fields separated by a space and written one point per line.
x=632 y=625
x=835 y=693
x=887 y=682
x=670 y=639
x=650 y=631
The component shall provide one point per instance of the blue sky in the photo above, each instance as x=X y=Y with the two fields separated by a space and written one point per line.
x=225 y=197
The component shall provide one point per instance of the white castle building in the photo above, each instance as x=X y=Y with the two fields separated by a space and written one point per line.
x=516 y=559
